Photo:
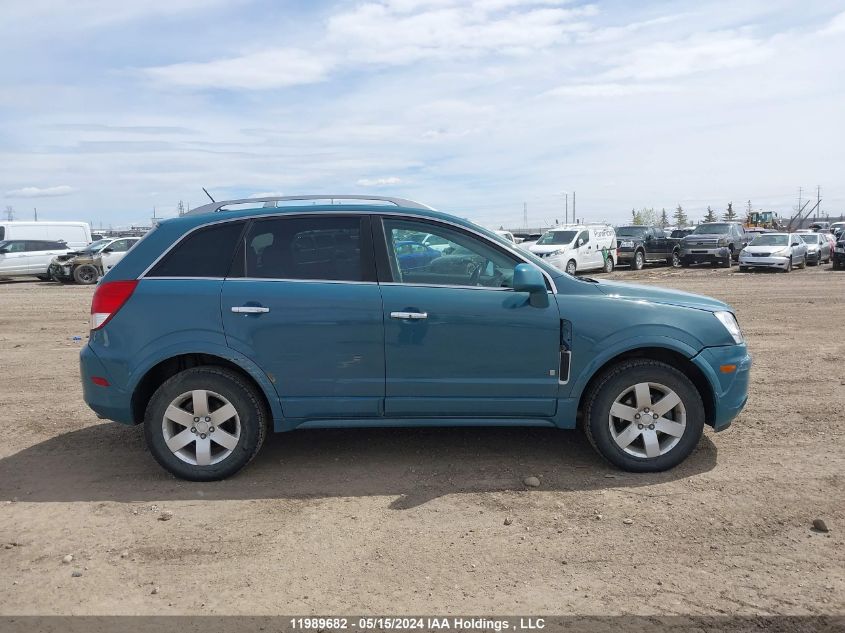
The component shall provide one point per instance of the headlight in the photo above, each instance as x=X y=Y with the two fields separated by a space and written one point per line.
x=723 y=241
x=551 y=253
x=729 y=321
x=784 y=252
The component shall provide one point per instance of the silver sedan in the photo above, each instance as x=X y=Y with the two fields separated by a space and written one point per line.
x=774 y=250
x=818 y=248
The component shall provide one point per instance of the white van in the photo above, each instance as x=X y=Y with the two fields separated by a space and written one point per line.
x=74 y=234
x=578 y=247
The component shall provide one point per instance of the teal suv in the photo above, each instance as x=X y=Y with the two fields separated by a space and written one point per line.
x=333 y=311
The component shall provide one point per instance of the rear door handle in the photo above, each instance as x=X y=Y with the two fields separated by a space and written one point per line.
x=250 y=309
x=413 y=316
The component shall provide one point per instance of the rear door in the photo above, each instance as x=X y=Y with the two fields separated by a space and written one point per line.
x=14 y=261
x=459 y=342
x=39 y=255
x=302 y=301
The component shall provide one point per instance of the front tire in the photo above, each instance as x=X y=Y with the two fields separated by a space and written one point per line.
x=608 y=264
x=205 y=423
x=639 y=261
x=619 y=416
x=675 y=260
x=571 y=267
x=86 y=274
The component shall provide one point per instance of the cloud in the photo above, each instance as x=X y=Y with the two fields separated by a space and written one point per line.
x=38 y=192
x=608 y=90
x=278 y=68
x=835 y=26
x=699 y=53
x=379 y=182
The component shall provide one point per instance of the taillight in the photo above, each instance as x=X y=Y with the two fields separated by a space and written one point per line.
x=108 y=299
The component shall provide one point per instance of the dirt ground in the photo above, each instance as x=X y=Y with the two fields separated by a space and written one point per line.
x=413 y=521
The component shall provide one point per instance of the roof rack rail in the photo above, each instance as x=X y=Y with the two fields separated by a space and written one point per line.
x=214 y=207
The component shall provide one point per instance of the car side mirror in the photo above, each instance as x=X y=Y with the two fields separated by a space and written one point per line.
x=796 y=243
x=108 y=249
x=527 y=278
x=580 y=242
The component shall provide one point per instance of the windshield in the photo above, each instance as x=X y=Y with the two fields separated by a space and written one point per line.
x=680 y=232
x=712 y=228
x=810 y=238
x=771 y=240
x=93 y=247
x=556 y=237
x=630 y=231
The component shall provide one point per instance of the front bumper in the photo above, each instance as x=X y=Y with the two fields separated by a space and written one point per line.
x=730 y=389
x=60 y=270
x=625 y=256
x=763 y=262
x=696 y=255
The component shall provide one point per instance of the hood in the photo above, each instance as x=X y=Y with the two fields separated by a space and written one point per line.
x=763 y=248
x=652 y=294
x=538 y=249
x=706 y=236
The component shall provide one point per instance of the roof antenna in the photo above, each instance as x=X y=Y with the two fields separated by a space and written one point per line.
x=208 y=194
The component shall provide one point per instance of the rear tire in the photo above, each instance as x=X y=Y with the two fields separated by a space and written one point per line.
x=571 y=267
x=608 y=264
x=86 y=274
x=242 y=429
x=626 y=444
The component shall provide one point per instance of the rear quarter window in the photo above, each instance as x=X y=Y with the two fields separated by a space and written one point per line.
x=206 y=252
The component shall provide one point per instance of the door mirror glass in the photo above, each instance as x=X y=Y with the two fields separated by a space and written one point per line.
x=107 y=249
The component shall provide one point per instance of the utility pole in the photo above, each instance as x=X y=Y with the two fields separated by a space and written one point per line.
x=35 y=211
x=525 y=215
x=573 y=205
x=566 y=217
x=818 y=200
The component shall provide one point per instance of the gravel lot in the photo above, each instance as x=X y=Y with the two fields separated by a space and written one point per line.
x=414 y=521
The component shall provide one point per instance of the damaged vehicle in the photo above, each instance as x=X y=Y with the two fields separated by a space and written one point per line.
x=95 y=260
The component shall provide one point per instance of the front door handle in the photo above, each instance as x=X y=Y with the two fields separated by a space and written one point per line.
x=250 y=309
x=413 y=316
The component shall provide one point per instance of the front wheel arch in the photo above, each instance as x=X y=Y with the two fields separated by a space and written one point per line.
x=668 y=356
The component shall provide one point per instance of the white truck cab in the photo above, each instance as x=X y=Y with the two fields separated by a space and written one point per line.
x=578 y=247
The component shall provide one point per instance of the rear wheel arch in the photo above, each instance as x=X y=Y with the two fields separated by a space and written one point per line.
x=159 y=373
x=672 y=358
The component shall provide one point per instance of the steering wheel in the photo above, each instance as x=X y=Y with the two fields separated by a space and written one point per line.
x=474 y=270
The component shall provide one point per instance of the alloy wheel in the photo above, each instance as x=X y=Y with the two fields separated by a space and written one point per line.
x=647 y=420
x=201 y=427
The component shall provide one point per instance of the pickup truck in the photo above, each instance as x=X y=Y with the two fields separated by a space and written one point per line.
x=638 y=244
x=716 y=243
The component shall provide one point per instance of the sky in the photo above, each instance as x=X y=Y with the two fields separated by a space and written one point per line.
x=109 y=110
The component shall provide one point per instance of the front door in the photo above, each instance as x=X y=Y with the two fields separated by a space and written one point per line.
x=14 y=260
x=459 y=342
x=303 y=303
x=114 y=252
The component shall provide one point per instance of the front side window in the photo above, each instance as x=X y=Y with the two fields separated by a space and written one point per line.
x=13 y=247
x=584 y=237
x=314 y=247
x=464 y=261
x=206 y=252
x=556 y=237
x=121 y=246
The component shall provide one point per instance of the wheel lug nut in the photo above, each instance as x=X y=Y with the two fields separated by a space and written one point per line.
x=646 y=409
x=202 y=436
x=651 y=427
x=211 y=429
x=656 y=416
x=196 y=419
x=194 y=430
x=636 y=416
x=207 y=419
x=640 y=427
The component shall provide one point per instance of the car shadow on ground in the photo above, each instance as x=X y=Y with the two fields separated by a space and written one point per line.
x=109 y=462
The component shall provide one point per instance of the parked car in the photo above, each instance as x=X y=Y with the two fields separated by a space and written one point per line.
x=753 y=232
x=508 y=236
x=74 y=234
x=28 y=257
x=414 y=255
x=637 y=244
x=837 y=228
x=92 y=262
x=818 y=248
x=774 y=250
x=578 y=247
x=839 y=253
x=217 y=326
x=678 y=234
x=714 y=243
x=528 y=240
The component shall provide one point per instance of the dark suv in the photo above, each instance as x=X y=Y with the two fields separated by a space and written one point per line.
x=714 y=242
x=637 y=244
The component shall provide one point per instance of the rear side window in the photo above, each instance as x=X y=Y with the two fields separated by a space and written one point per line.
x=314 y=247
x=204 y=253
